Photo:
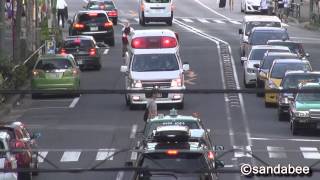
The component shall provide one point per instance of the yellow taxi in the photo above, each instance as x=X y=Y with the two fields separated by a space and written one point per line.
x=276 y=74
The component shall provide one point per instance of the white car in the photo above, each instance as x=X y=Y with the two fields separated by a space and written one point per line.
x=153 y=59
x=255 y=57
x=250 y=6
x=155 y=11
x=7 y=159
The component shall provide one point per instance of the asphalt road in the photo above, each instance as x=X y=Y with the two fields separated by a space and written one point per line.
x=75 y=130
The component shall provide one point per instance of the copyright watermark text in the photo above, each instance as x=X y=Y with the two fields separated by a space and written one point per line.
x=277 y=170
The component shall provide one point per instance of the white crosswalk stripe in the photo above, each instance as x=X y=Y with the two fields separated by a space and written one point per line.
x=310 y=152
x=234 y=22
x=219 y=21
x=187 y=20
x=276 y=152
x=203 y=20
x=242 y=151
x=104 y=154
x=42 y=155
x=70 y=156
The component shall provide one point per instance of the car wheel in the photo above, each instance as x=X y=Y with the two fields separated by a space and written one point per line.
x=110 y=42
x=98 y=67
x=267 y=104
x=115 y=21
x=180 y=105
x=127 y=100
x=294 y=129
x=133 y=106
x=169 y=23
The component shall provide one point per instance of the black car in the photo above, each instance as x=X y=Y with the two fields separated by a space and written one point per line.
x=295 y=47
x=106 y=5
x=93 y=23
x=84 y=49
x=172 y=148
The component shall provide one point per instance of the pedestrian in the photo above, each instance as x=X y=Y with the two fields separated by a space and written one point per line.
x=280 y=9
x=231 y=4
x=151 y=108
x=264 y=7
x=126 y=30
x=61 y=7
x=286 y=5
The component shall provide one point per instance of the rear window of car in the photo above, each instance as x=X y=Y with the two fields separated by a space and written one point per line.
x=183 y=161
x=155 y=62
x=292 y=81
x=93 y=18
x=268 y=60
x=251 y=25
x=105 y=5
x=153 y=125
x=279 y=70
x=294 y=47
x=74 y=43
x=261 y=37
x=157 y=1
x=257 y=54
x=53 y=64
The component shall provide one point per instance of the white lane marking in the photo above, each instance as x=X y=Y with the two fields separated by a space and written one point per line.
x=120 y=175
x=104 y=154
x=203 y=20
x=278 y=139
x=52 y=100
x=234 y=22
x=276 y=152
x=133 y=131
x=134 y=156
x=74 y=102
x=187 y=20
x=242 y=151
x=70 y=156
x=215 y=12
x=42 y=155
x=219 y=21
x=106 y=51
x=310 y=152
x=136 y=19
x=228 y=165
x=307 y=38
x=40 y=108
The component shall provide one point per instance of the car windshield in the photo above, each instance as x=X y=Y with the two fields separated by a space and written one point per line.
x=157 y=1
x=98 y=5
x=155 y=62
x=183 y=161
x=153 y=125
x=268 y=60
x=308 y=96
x=251 y=25
x=53 y=64
x=92 y=18
x=294 y=47
x=261 y=37
x=74 y=43
x=278 y=71
x=292 y=81
x=257 y=54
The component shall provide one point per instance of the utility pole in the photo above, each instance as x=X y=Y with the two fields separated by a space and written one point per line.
x=2 y=26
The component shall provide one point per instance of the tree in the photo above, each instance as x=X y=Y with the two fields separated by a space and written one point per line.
x=2 y=26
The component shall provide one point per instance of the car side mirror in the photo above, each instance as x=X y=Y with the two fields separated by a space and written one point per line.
x=243 y=59
x=35 y=135
x=186 y=67
x=307 y=55
x=218 y=148
x=240 y=31
x=218 y=164
x=124 y=69
x=256 y=66
x=128 y=164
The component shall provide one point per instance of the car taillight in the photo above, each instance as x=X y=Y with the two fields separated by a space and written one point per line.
x=112 y=13
x=139 y=43
x=93 y=14
x=92 y=52
x=172 y=152
x=7 y=164
x=176 y=82
x=74 y=72
x=210 y=155
x=108 y=24
x=19 y=144
x=168 y=42
x=63 y=51
x=78 y=26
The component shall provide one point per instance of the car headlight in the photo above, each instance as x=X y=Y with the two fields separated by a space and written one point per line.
x=176 y=82
x=301 y=113
x=250 y=70
x=137 y=84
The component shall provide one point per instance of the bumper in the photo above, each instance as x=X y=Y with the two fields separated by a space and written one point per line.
x=65 y=84
x=88 y=61
x=9 y=176
x=250 y=78
x=271 y=98
x=151 y=14
x=100 y=36
x=307 y=123
x=252 y=8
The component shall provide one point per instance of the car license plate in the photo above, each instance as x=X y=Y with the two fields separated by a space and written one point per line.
x=93 y=28
x=52 y=75
x=80 y=62
x=159 y=95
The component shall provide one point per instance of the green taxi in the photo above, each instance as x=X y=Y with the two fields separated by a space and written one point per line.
x=55 y=72
x=304 y=110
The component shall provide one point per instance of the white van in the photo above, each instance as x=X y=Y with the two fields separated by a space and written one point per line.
x=251 y=21
x=156 y=11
